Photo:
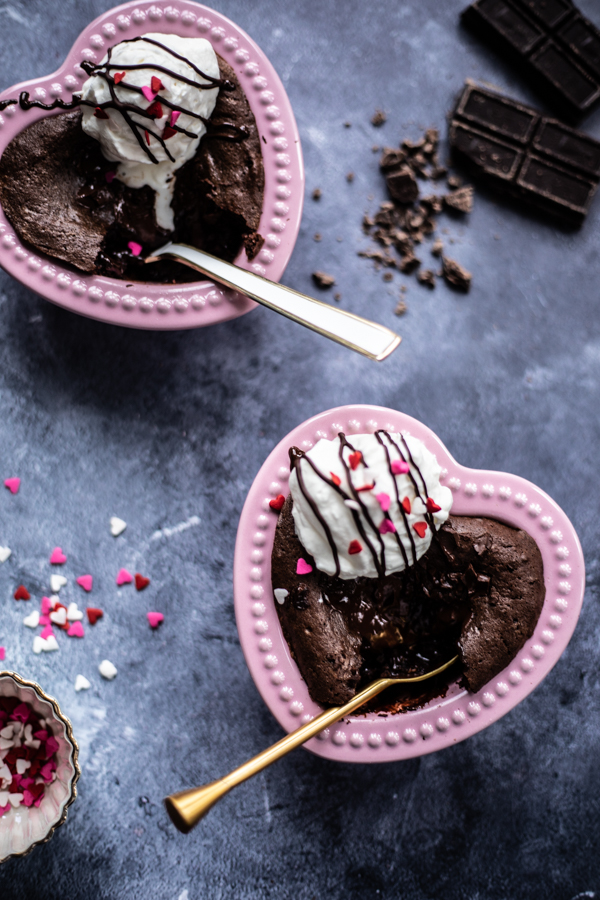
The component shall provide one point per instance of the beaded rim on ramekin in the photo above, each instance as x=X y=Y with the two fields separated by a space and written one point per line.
x=156 y=306
x=72 y=762
x=477 y=492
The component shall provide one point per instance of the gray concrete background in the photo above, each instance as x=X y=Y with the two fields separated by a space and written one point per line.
x=158 y=428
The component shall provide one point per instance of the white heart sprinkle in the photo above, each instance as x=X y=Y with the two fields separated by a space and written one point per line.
x=32 y=620
x=59 y=616
x=117 y=526
x=7 y=732
x=74 y=614
x=54 y=600
x=280 y=595
x=51 y=644
x=3 y=798
x=4 y=554
x=107 y=670
x=352 y=504
x=81 y=683
x=22 y=766
x=15 y=799
x=56 y=582
x=5 y=744
x=39 y=644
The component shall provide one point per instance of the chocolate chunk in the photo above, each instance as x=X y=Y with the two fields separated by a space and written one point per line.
x=402 y=185
x=461 y=200
x=379 y=118
x=557 y=47
x=316 y=194
x=323 y=280
x=529 y=156
x=253 y=244
x=426 y=277
x=455 y=275
x=350 y=177
x=400 y=308
x=437 y=247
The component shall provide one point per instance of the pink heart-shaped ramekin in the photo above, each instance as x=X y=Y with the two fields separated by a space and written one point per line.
x=372 y=738
x=158 y=306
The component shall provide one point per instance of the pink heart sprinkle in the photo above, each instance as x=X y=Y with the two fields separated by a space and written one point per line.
x=12 y=484
x=2 y=652
x=135 y=248
x=76 y=630
x=57 y=557
x=38 y=801
x=174 y=116
x=46 y=772
x=387 y=525
x=44 y=620
x=399 y=467
x=148 y=93
x=85 y=581
x=47 y=632
x=110 y=176
x=384 y=501
x=4 y=809
x=46 y=605
x=302 y=567
x=124 y=577
x=155 y=618
x=27 y=797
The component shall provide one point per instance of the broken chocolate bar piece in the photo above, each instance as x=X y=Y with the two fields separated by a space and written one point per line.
x=534 y=158
x=550 y=39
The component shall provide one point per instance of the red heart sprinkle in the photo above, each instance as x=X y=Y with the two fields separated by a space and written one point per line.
x=168 y=132
x=140 y=582
x=335 y=478
x=277 y=503
x=155 y=110
x=354 y=547
x=22 y=593
x=406 y=505
x=156 y=84
x=355 y=459
x=147 y=138
x=94 y=614
x=432 y=506
x=366 y=487
x=118 y=76
x=100 y=114
x=420 y=528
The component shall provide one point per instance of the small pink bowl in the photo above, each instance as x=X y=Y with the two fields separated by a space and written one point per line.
x=372 y=738
x=156 y=306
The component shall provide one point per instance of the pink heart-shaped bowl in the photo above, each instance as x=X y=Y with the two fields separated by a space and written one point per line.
x=497 y=495
x=157 y=306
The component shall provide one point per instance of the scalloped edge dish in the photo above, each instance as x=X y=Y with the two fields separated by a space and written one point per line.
x=156 y=306
x=460 y=714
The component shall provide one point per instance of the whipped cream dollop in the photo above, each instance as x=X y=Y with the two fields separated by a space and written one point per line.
x=150 y=149
x=366 y=505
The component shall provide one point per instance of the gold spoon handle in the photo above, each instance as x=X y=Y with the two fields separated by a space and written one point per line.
x=186 y=808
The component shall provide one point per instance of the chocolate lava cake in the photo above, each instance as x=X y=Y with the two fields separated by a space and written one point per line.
x=477 y=592
x=55 y=193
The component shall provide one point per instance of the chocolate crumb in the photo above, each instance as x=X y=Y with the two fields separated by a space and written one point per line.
x=454 y=182
x=402 y=185
x=323 y=280
x=437 y=247
x=379 y=118
x=400 y=308
x=426 y=277
x=388 y=276
x=317 y=237
x=317 y=194
x=350 y=176
x=253 y=244
x=347 y=124
x=375 y=148
x=461 y=200
x=337 y=296
x=455 y=274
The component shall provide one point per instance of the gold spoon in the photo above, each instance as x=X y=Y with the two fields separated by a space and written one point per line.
x=187 y=807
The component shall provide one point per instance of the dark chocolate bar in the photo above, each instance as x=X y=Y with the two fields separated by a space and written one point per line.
x=528 y=155
x=557 y=46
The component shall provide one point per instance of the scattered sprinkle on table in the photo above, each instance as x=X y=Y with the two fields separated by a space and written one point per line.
x=117 y=526
x=13 y=485
x=107 y=670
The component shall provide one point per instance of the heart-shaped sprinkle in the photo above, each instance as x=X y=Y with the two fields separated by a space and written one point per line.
x=57 y=557
x=47 y=632
x=174 y=116
x=354 y=547
x=110 y=177
x=2 y=653
x=54 y=601
x=148 y=93
x=59 y=616
x=74 y=614
x=141 y=583
x=38 y=644
x=118 y=77
x=46 y=605
x=302 y=567
x=277 y=503
x=384 y=501
x=387 y=526
x=32 y=620
x=155 y=110
x=155 y=618
x=12 y=484
x=44 y=619
x=156 y=84
x=4 y=554
x=352 y=504
x=406 y=505
x=399 y=467
x=135 y=248
x=355 y=459
x=117 y=526
x=124 y=577
x=81 y=683
x=51 y=644
x=366 y=487
x=22 y=593
x=56 y=582
x=432 y=506
x=100 y=114
x=76 y=630
x=280 y=595
x=107 y=670
x=336 y=479
x=86 y=582
x=420 y=528
x=147 y=136
x=168 y=132
x=94 y=614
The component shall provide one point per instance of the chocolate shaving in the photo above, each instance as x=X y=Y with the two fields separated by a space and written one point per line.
x=323 y=280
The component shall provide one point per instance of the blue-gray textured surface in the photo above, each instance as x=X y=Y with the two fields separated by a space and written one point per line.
x=160 y=428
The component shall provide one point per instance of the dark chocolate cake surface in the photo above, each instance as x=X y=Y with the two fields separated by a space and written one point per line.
x=54 y=191
x=478 y=592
